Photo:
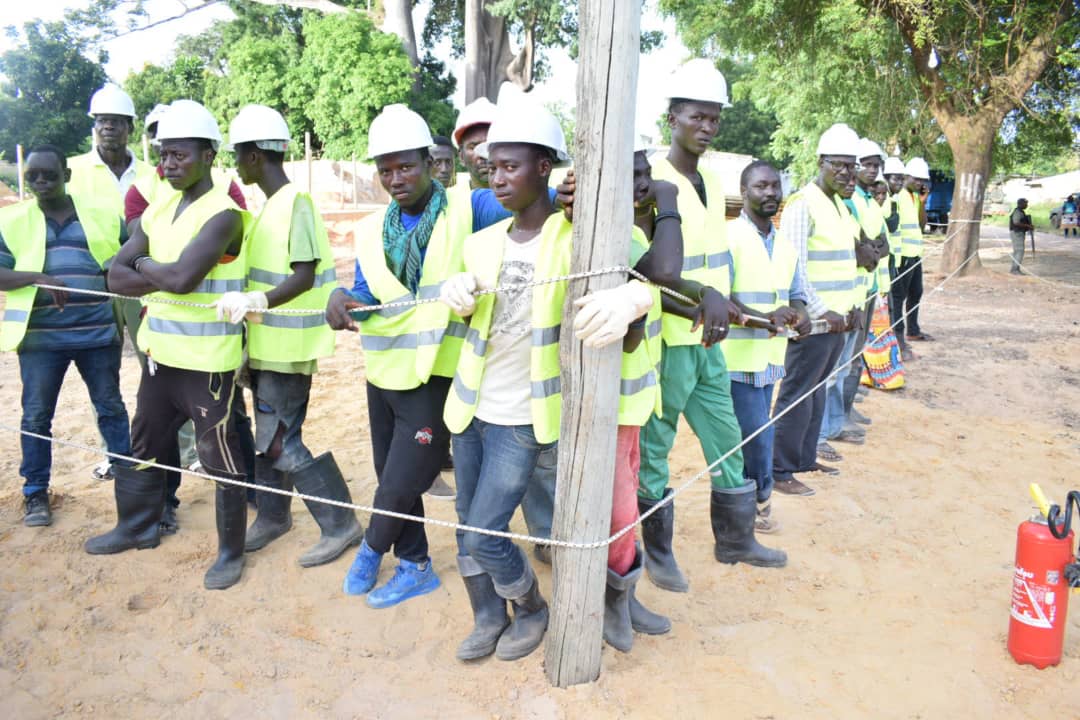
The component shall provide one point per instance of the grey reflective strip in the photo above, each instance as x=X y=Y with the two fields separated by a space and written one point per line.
x=193 y=328
x=784 y=294
x=326 y=277
x=376 y=343
x=11 y=315
x=391 y=312
x=464 y=393
x=293 y=322
x=632 y=387
x=456 y=329
x=217 y=287
x=909 y=226
x=546 y=336
x=754 y=297
x=653 y=329
x=479 y=347
x=745 y=333
x=833 y=285
x=427 y=292
x=546 y=388
x=830 y=254
x=719 y=260
x=693 y=262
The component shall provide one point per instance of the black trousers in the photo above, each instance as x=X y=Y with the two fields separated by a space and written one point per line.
x=907 y=290
x=172 y=396
x=807 y=363
x=854 y=375
x=409 y=442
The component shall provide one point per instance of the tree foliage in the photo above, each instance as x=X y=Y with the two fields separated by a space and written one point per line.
x=48 y=80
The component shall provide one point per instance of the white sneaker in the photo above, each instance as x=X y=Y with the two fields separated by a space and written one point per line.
x=102 y=471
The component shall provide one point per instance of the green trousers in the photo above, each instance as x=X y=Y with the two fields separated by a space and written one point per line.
x=694 y=382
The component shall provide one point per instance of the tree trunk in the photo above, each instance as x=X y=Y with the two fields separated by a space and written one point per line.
x=399 y=22
x=972 y=144
x=603 y=213
x=520 y=69
x=487 y=51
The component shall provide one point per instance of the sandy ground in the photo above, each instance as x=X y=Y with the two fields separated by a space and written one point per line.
x=894 y=605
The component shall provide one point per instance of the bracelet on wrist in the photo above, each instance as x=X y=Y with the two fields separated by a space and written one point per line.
x=138 y=262
x=667 y=214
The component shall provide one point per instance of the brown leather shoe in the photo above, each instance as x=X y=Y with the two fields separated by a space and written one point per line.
x=818 y=467
x=788 y=485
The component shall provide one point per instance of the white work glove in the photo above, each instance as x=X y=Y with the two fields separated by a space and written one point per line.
x=457 y=293
x=256 y=301
x=604 y=316
x=233 y=306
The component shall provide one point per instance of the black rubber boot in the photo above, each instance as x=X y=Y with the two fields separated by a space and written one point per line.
x=657 y=532
x=230 y=508
x=140 y=500
x=489 y=616
x=623 y=615
x=642 y=619
x=733 y=528
x=273 y=517
x=526 y=632
x=340 y=528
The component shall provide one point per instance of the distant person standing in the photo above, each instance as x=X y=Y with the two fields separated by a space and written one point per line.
x=1019 y=226
x=1070 y=218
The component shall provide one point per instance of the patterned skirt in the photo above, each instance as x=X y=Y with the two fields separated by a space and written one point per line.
x=882 y=368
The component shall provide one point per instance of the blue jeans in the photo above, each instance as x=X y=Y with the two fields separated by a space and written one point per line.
x=538 y=505
x=833 y=421
x=42 y=374
x=493 y=465
x=752 y=410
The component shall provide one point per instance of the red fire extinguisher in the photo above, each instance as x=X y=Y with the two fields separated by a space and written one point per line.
x=1042 y=580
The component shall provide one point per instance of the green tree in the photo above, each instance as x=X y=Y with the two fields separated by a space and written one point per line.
x=47 y=84
x=910 y=72
x=184 y=77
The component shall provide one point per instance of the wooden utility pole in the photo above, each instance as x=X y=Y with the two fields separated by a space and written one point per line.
x=603 y=217
x=19 y=171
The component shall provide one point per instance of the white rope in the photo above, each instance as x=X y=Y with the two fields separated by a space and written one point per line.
x=485 y=531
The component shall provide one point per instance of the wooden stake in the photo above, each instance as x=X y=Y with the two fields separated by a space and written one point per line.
x=307 y=157
x=19 y=170
x=145 y=148
x=355 y=194
x=603 y=216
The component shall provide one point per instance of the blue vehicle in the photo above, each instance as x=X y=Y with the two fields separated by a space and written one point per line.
x=939 y=202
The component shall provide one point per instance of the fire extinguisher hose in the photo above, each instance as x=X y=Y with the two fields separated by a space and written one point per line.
x=1052 y=517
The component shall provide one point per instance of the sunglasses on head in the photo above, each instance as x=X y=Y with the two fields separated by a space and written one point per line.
x=48 y=175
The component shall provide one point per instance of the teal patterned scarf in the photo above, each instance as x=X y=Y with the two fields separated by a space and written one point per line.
x=404 y=249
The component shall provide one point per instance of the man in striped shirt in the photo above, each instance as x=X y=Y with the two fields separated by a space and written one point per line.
x=61 y=328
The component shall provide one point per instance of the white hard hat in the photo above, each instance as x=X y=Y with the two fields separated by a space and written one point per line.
x=869 y=148
x=189 y=119
x=479 y=112
x=111 y=100
x=894 y=166
x=698 y=79
x=917 y=168
x=642 y=143
x=155 y=115
x=519 y=119
x=839 y=140
x=261 y=125
x=395 y=129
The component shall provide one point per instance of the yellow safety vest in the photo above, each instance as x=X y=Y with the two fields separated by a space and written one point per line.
x=284 y=337
x=23 y=229
x=762 y=283
x=187 y=337
x=405 y=346
x=460 y=196
x=639 y=384
x=830 y=249
x=152 y=186
x=910 y=230
x=873 y=224
x=705 y=248
x=639 y=390
x=92 y=178
x=896 y=240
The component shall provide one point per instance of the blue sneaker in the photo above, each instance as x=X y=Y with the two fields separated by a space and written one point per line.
x=363 y=572
x=410 y=580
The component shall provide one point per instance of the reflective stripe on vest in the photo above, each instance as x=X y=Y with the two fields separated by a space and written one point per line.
x=706 y=258
x=762 y=283
x=280 y=337
x=23 y=229
x=405 y=346
x=187 y=337
x=910 y=233
x=483 y=257
x=639 y=387
x=830 y=256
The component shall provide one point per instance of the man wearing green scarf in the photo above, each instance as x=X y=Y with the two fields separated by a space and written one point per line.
x=410 y=352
